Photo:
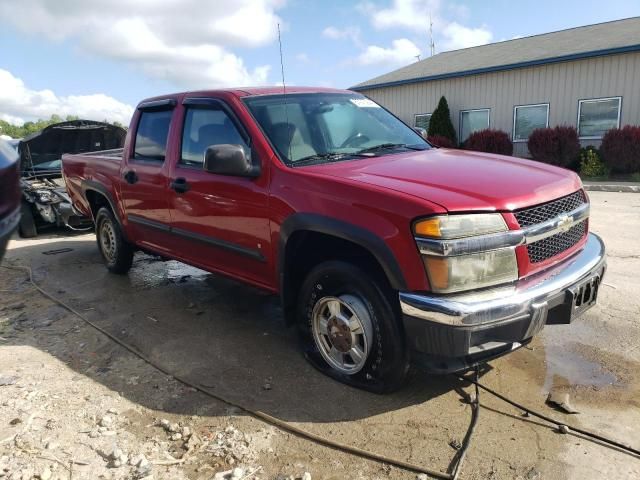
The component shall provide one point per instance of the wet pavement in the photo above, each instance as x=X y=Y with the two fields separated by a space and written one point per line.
x=231 y=339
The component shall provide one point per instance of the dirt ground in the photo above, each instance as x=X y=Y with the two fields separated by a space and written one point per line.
x=75 y=405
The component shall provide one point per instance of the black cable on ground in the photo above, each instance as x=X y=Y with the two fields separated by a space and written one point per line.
x=557 y=423
x=475 y=414
x=255 y=413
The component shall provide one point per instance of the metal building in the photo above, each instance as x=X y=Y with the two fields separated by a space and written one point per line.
x=587 y=77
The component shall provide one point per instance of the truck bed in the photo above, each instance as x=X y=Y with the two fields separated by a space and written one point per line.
x=101 y=167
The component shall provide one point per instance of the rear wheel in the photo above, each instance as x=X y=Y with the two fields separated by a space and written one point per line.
x=27 y=227
x=349 y=328
x=116 y=252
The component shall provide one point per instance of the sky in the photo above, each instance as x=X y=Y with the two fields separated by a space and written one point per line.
x=98 y=59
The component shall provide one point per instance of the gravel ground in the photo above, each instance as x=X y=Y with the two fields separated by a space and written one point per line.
x=73 y=404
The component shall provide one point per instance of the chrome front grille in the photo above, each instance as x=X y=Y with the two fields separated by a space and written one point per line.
x=554 y=245
x=541 y=213
x=558 y=243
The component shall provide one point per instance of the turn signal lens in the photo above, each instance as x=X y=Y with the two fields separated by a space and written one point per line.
x=460 y=226
x=428 y=228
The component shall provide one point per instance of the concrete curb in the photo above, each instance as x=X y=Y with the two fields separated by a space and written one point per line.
x=612 y=187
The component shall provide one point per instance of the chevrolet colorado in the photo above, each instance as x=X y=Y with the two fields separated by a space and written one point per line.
x=384 y=250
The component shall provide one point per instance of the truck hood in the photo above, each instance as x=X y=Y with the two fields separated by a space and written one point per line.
x=460 y=180
x=42 y=150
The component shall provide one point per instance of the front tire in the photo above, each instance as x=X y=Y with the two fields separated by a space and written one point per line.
x=349 y=329
x=27 y=227
x=116 y=252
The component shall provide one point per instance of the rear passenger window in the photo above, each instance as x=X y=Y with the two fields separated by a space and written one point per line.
x=206 y=127
x=151 y=136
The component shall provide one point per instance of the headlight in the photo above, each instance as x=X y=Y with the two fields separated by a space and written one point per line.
x=458 y=226
x=453 y=273
x=466 y=272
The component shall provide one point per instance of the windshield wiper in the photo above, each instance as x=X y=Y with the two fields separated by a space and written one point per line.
x=319 y=157
x=382 y=146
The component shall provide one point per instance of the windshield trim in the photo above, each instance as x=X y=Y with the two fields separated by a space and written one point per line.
x=247 y=99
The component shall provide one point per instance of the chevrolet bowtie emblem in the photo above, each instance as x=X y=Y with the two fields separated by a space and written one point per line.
x=565 y=223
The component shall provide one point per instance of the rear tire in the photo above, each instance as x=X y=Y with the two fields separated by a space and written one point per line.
x=27 y=227
x=349 y=329
x=116 y=252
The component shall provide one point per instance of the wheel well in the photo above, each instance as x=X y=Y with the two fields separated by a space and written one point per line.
x=306 y=249
x=96 y=201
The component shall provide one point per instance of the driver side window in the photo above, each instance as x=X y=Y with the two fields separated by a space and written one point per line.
x=203 y=128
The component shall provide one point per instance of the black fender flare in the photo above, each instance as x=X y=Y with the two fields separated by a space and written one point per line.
x=311 y=222
x=90 y=185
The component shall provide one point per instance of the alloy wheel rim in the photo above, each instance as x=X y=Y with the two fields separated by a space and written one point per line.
x=343 y=332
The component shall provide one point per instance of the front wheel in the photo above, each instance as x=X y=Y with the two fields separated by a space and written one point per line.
x=349 y=329
x=27 y=227
x=116 y=252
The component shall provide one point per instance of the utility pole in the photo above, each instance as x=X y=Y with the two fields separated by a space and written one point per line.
x=432 y=46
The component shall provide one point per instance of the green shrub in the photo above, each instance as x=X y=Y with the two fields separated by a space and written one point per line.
x=440 y=124
x=591 y=165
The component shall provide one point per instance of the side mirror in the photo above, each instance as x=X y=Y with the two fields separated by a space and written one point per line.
x=421 y=131
x=228 y=159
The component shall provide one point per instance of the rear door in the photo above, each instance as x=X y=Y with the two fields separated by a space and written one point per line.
x=144 y=176
x=219 y=221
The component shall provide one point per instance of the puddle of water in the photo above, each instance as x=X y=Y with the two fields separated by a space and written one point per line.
x=567 y=367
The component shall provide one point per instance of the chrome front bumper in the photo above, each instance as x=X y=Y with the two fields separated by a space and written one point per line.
x=488 y=321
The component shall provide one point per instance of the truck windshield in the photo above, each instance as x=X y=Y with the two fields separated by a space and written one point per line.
x=311 y=128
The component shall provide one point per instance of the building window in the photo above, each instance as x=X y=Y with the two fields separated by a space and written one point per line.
x=597 y=116
x=422 y=120
x=472 y=121
x=526 y=118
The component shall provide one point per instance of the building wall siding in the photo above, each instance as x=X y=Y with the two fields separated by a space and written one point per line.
x=561 y=85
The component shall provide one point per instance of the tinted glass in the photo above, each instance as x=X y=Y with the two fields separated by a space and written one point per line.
x=528 y=118
x=598 y=116
x=472 y=121
x=300 y=126
x=151 y=136
x=203 y=128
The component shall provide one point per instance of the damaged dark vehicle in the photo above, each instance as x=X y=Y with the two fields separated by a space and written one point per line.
x=45 y=202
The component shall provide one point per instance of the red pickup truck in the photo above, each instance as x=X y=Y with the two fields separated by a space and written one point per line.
x=385 y=251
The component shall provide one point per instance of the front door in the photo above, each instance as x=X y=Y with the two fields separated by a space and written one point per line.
x=144 y=178
x=220 y=221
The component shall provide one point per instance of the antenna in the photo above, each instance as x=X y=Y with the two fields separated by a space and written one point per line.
x=284 y=94
x=284 y=89
x=432 y=46
x=417 y=57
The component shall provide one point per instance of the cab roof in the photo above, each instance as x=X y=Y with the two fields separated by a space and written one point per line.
x=251 y=91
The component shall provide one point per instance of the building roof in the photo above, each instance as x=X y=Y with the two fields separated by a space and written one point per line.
x=608 y=38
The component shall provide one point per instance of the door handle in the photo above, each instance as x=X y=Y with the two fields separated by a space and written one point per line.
x=180 y=185
x=131 y=177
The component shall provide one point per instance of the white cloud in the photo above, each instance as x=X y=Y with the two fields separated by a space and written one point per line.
x=458 y=36
x=401 y=52
x=302 y=58
x=415 y=15
x=182 y=41
x=350 y=33
x=19 y=103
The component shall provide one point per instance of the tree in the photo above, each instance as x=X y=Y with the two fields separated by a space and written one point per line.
x=440 y=123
